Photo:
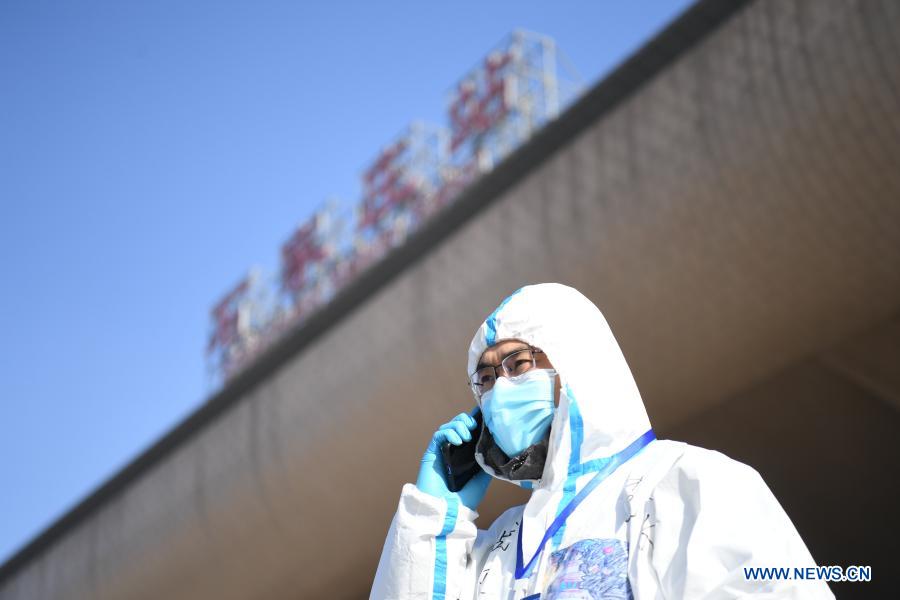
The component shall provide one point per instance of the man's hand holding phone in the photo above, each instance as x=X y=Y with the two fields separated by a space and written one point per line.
x=433 y=472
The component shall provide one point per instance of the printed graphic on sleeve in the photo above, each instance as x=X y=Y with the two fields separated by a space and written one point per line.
x=589 y=570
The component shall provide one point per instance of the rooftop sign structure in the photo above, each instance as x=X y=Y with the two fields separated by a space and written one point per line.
x=520 y=85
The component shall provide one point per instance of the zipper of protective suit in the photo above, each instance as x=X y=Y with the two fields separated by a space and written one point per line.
x=615 y=461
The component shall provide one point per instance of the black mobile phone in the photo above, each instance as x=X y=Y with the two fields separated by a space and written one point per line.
x=459 y=461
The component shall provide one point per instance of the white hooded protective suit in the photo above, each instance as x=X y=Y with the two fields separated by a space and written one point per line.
x=615 y=513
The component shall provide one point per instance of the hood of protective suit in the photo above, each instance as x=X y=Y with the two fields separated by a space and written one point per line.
x=600 y=410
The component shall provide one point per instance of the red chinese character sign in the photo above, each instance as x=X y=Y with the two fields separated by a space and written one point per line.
x=481 y=101
x=397 y=188
x=500 y=103
x=387 y=186
x=307 y=262
x=236 y=325
x=225 y=318
x=299 y=256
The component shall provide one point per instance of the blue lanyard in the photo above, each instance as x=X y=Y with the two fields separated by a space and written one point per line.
x=614 y=462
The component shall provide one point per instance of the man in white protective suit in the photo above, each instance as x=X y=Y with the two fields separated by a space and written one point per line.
x=613 y=512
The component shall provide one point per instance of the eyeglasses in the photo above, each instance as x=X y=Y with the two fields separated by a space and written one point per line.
x=516 y=363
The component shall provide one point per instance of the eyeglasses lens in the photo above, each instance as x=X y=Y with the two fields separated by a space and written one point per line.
x=483 y=380
x=512 y=365
x=518 y=363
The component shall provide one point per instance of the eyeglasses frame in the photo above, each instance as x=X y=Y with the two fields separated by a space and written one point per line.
x=475 y=386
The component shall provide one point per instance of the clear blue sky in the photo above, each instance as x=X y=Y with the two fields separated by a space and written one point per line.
x=151 y=152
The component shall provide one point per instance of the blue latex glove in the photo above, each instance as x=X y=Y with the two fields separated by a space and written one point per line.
x=431 y=478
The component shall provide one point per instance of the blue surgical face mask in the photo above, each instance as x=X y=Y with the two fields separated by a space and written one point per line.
x=518 y=411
